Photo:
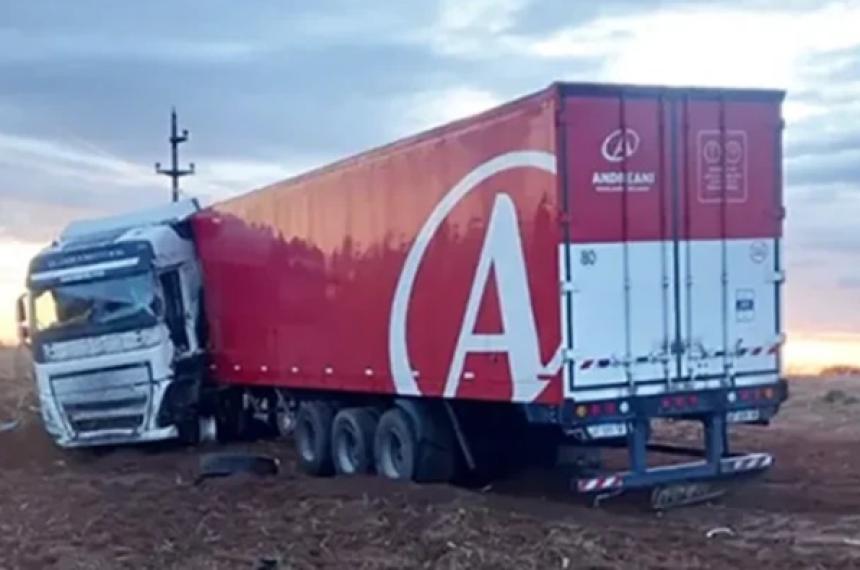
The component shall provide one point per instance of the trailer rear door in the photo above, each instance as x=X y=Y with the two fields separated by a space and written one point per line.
x=729 y=154
x=671 y=259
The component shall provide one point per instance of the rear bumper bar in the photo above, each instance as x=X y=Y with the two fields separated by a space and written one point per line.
x=725 y=468
x=713 y=461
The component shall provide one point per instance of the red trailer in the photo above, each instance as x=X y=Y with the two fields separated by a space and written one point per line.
x=565 y=267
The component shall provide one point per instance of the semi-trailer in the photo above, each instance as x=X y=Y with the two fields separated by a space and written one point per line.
x=562 y=270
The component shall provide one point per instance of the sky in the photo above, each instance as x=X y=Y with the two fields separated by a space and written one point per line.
x=270 y=89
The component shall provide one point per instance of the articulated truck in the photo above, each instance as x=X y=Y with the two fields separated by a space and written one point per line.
x=562 y=270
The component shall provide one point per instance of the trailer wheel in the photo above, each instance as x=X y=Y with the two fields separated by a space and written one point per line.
x=435 y=457
x=312 y=434
x=395 y=446
x=283 y=416
x=352 y=438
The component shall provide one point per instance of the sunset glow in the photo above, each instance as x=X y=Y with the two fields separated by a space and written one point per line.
x=14 y=257
x=255 y=112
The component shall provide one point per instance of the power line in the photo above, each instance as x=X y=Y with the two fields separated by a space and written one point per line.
x=174 y=172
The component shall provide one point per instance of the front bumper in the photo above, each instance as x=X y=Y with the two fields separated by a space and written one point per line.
x=108 y=437
x=108 y=400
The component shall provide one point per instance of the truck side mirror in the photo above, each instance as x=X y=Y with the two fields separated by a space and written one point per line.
x=21 y=317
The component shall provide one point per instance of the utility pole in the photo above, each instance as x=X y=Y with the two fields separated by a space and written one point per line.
x=175 y=172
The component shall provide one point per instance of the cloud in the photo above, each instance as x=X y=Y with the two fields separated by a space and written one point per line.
x=850 y=282
x=270 y=90
x=222 y=177
x=690 y=45
x=18 y=46
x=82 y=160
x=427 y=109
x=49 y=183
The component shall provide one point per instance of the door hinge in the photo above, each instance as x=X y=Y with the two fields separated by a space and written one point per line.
x=569 y=355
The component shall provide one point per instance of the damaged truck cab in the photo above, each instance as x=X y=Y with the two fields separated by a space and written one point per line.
x=113 y=322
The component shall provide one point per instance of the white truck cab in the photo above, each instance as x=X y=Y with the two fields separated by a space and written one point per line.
x=113 y=319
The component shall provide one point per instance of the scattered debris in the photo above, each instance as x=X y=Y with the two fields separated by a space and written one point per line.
x=225 y=464
x=9 y=425
x=840 y=397
x=719 y=531
x=267 y=563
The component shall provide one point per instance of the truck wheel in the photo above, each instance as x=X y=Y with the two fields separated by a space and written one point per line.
x=234 y=422
x=352 y=438
x=189 y=429
x=435 y=459
x=395 y=447
x=283 y=415
x=312 y=434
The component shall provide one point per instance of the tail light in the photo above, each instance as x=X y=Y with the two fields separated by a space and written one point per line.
x=755 y=396
x=680 y=402
x=600 y=409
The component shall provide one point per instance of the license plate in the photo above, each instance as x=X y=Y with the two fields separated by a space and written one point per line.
x=617 y=429
x=742 y=416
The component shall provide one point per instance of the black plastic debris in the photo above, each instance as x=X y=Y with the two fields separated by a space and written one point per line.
x=226 y=464
x=267 y=564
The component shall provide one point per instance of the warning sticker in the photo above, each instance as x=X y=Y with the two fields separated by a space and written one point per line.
x=722 y=165
x=744 y=305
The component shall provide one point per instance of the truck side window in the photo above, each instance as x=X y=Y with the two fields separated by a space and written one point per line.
x=174 y=311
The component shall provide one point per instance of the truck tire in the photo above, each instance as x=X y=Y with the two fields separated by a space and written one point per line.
x=188 y=429
x=233 y=420
x=283 y=415
x=435 y=461
x=313 y=438
x=352 y=440
x=395 y=447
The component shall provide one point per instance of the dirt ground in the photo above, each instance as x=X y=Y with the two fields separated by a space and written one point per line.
x=139 y=507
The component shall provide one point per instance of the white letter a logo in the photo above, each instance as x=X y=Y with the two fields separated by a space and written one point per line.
x=502 y=251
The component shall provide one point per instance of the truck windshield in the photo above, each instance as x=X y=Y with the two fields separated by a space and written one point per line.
x=96 y=302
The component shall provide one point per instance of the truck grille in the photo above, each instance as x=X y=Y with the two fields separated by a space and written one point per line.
x=119 y=423
x=113 y=399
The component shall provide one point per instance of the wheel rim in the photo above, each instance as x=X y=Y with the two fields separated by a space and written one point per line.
x=347 y=450
x=286 y=422
x=393 y=457
x=307 y=436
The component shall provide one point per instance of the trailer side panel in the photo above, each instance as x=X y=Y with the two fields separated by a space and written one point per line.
x=428 y=267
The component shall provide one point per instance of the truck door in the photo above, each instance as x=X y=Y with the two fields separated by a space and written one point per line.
x=671 y=261
x=730 y=239
x=621 y=291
